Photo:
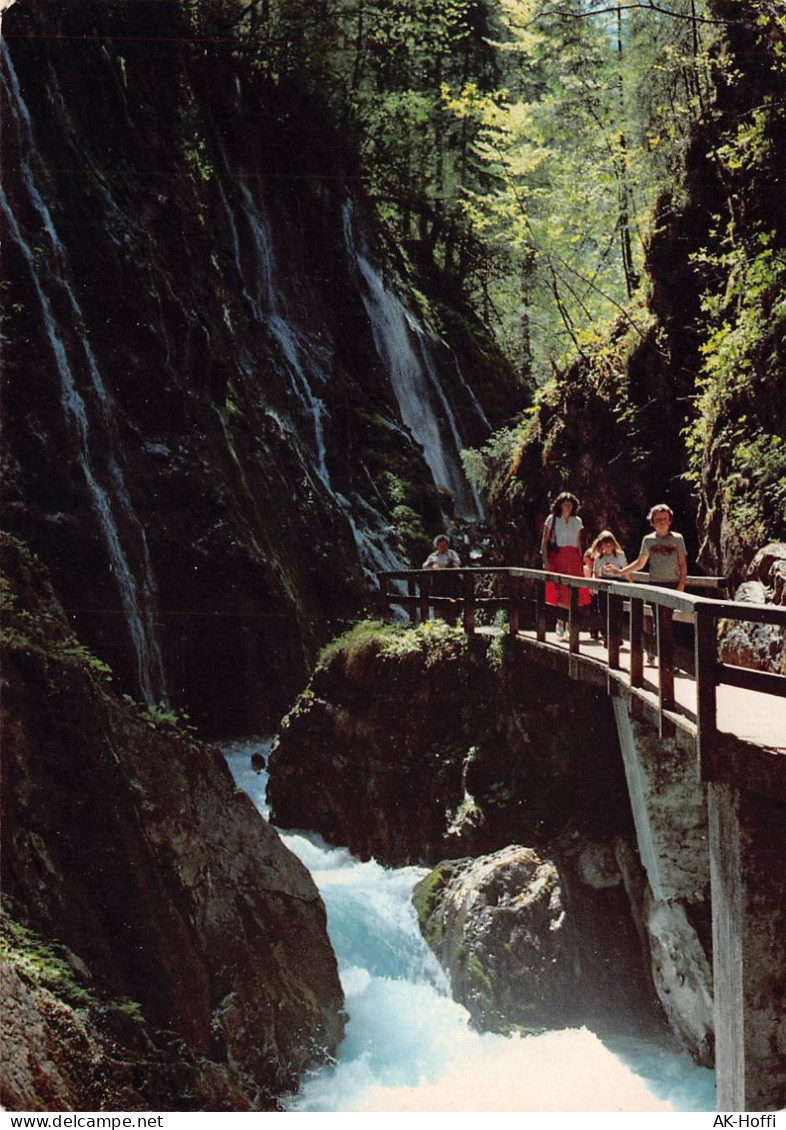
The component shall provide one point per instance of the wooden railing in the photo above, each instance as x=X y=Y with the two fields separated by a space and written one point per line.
x=630 y=607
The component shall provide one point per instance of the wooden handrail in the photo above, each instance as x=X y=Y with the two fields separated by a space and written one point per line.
x=702 y=611
x=667 y=598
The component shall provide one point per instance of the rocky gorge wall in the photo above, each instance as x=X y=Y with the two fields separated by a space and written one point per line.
x=220 y=412
x=161 y=948
x=227 y=401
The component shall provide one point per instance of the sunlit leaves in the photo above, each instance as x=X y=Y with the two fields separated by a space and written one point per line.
x=741 y=375
x=750 y=145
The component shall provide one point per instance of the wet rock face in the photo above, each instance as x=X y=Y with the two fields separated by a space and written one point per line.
x=156 y=464
x=126 y=841
x=41 y=1046
x=443 y=752
x=527 y=944
x=760 y=646
x=196 y=411
x=58 y=1054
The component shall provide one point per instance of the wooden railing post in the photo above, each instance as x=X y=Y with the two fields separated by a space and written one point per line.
x=573 y=620
x=468 y=587
x=425 y=591
x=412 y=605
x=514 y=604
x=540 y=611
x=706 y=663
x=664 y=619
x=636 y=631
x=382 y=598
x=615 y=613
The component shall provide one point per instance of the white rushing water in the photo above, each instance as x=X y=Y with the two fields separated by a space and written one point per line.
x=408 y=1045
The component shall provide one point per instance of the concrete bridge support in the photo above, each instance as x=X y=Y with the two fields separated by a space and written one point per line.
x=748 y=869
x=670 y=816
x=720 y=843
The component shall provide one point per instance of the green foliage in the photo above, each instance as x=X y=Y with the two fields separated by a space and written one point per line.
x=42 y=966
x=742 y=375
x=39 y=963
x=518 y=144
x=577 y=144
x=736 y=438
x=481 y=985
x=468 y=814
x=499 y=794
x=196 y=160
x=425 y=899
x=500 y=648
x=359 y=636
x=163 y=716
x=83 y=657
x=421 y=639
x=410 y=529
x=586 y=404
x=393 y=641
x=485 y=466
x=33 y=623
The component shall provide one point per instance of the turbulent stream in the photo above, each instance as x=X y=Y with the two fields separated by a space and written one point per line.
x=408 y=1045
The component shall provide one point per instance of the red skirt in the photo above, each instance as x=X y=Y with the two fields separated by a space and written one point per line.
x=565 y=559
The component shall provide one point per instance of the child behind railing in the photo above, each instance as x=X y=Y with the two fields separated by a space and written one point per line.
x=604 y=552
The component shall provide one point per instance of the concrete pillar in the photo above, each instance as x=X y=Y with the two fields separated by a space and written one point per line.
x=670 y=817
x=669 y=810
x=748 y=871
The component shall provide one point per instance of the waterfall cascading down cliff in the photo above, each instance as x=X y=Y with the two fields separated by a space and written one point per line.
x=92 y=433
x=404 y=348
x=218 y=414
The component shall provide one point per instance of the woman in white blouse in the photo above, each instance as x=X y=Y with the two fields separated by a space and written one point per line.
x=561 y=551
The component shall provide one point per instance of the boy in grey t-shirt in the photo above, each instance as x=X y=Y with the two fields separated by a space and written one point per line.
x=665 y=551
x=668 y=559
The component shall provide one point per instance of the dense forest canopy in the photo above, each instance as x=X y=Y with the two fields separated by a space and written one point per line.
x=520 y=144
x=530 y=151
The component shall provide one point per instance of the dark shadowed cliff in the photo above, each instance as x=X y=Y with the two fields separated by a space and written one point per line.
x=221 y=414
x=127 y=847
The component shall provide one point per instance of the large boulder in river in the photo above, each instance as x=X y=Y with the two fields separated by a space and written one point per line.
x=126 y=843
x=532 y=941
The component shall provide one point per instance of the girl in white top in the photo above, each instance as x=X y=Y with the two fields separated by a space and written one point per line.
x=602 y=559
x=604 y=552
